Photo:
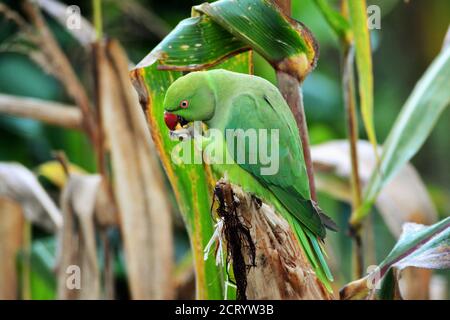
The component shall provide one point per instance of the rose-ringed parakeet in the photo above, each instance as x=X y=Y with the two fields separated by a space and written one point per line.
x=225 y=101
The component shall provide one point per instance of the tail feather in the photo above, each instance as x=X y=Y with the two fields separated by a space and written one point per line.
x=313 y=251
x=303 y=239
x=309 y=238
x=320 y=255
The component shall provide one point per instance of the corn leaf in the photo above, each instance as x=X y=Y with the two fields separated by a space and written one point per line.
x=419 y=246
x=358 y=21
x=390 y=289
x=20 y=184
x=284 y=42
x=138 y=187
x=77 y=243
x=225 y=28
x=337 y=22
x=428 y=100
x=42 y=276
x=191 y=183
x=196 y=43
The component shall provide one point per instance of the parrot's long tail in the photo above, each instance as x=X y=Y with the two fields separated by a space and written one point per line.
x=314 y=252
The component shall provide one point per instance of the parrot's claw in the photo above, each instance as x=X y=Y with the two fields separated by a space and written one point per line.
x=182 y=134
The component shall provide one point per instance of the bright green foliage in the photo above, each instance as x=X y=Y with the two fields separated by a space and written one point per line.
x=358 y=21
x=420 y=113
x=337 y=22
x=41 y=280
x=419 y=246
x=224 y=28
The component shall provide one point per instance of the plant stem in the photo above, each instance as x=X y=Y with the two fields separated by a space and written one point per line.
x=291 y=91
x=348 y=86
x=352 y=123
x=50 y=112
x=66 y=73
x=97 y=9
x=348 y=82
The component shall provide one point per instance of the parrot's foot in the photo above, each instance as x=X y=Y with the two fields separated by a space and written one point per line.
x=190 y=130
x=182 y=134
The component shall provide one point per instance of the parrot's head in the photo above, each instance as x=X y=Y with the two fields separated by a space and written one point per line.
x=190 y=98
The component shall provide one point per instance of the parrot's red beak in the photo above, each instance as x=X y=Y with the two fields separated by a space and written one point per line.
x=171 y=120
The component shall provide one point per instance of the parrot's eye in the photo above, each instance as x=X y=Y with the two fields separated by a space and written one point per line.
x=184 y=104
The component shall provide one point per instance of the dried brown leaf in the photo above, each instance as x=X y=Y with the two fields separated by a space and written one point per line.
x=355 y=290
x=85 y=34
x=77 y=244
x=20 y=184
x=139 y=191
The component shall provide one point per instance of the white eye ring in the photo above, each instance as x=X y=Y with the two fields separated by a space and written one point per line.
x=184 y=104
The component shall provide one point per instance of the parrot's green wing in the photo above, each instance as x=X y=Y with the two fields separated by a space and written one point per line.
x=265 y=110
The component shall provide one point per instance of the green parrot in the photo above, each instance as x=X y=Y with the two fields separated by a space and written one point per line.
x=231 y=104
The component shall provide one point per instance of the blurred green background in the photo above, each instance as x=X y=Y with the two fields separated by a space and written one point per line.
x=410 y=37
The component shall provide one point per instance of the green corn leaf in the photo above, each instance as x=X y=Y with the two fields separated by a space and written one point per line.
x=358 y=21
x=196 y=43
x=419 y=246
x=417 y=118
x=191 y=183
x=337 y=22
x=42 y=277
x=389 y=289
x=282 y=41
x=225 y=28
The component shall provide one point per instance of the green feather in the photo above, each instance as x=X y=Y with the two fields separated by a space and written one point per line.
x=303 y=240
x=319 y=253
x=306 y=240
x=301 y=209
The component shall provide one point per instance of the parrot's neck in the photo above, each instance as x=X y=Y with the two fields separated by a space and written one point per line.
x=218 y=121
x=225 y=87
